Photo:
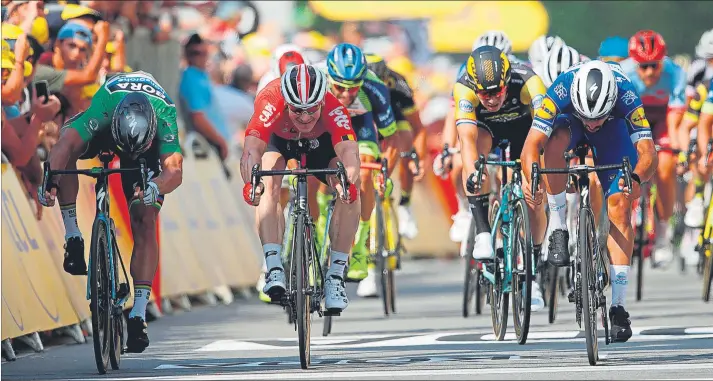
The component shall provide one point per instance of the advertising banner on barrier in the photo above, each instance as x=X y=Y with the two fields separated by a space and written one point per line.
x=32 y=289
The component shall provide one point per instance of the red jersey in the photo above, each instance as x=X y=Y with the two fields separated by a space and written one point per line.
x=270 y=117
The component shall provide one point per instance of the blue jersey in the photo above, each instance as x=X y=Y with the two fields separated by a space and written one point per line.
x=668 y=93
x=628 y=105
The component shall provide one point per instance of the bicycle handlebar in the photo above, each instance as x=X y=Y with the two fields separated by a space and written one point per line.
x=413 y=155
x=581 y=169
x=340 y=172
x=95 y=172
x=482 y=162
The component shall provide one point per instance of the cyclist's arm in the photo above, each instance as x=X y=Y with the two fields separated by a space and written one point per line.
x=642 y=138
x=467 y=126
x=171 y=175
x=450 y=135
x=542 y=126
x=676 y=104
x=90 y=72
x=348 y=154
x=532 y=93
x=339 y=125
x=705 y=124
x=380 y=98
x=692 y=115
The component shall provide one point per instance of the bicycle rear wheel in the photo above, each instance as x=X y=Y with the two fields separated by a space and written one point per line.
x=117 y=317
x=499 y=299
x=590 y=301
x=393 y=245
x=471 y=278
x=304 y=300
x=100 y=304
x=553 y=291
x=381 y=265
x=522 y=279
x=641 y=241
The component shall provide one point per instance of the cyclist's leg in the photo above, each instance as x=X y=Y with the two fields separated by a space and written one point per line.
x=145 y=256
x=695 y=207
x=74 y=262
x=407 y=222
x=596 y=197
x=367 y=137
x=562 y=139
x=611 y=147
x=461 y=220
x=665 y=194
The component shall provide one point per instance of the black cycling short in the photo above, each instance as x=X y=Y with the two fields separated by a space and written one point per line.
x=105 y=143
x=319 y=155
x=515 y=132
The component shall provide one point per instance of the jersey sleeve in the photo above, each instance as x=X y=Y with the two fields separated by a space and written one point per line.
x=381 y=106
x=465 y=104
x=696 y=103
x=267 y=110
x=96 y=118
x=630 y=108
x=167 y=133
x=708 y=104
x=533 y=93
x=402 y=95
x=677 y=98
x=555 y=102
x=337 y=121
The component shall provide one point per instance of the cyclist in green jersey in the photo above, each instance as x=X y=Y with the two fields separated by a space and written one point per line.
x=132 y=116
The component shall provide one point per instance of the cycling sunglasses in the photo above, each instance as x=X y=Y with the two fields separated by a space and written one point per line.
x=491 y=93
x=649 y=65
x=302 y=112
x=351 y=89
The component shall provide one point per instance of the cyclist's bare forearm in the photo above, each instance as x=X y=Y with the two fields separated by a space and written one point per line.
x=673 y=120
x=469 y=149
x=684 y=132
x=419 y=133
x=171 y=173
x=67 y=147
x=648 y=159
x=534 y=144
x=252 y=154
x=705 y=125
x=450 y=133
x=348 y=154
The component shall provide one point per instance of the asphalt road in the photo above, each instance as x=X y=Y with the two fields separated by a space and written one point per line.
x=428 y=338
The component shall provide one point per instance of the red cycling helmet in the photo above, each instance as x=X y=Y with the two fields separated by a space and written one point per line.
x=288 y=59
x=647 y=46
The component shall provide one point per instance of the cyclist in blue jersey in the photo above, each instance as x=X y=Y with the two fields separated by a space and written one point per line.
x=661 y=84
x=369 y=104
x=591 y=102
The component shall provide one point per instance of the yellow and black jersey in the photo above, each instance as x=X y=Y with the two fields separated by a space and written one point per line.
x=400 y=91
x=696 y=103
x=525 y=93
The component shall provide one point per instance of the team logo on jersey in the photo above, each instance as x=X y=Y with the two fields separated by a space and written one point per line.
x=341 y=119
x=547 y=111
x=169 y=138
x=560 y=91
x=465 y=105
x=638 y=118
x=93 y=124
x=537 y=101
x=628 y=98
x=266 y=114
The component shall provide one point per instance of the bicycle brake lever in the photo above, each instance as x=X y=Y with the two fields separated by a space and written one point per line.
x=342 y=177
x=254 y=180
x=626 y=168
x=535 y=179
x=142 y=165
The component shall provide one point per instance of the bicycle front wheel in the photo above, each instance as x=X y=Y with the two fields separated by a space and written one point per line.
x=471 y=272
x=100 y=304
x=641 y=242
x=303 y=298
x=117 y=317
x=522 y=271
x=499 y=299
x=380 y=256
x=590 y=301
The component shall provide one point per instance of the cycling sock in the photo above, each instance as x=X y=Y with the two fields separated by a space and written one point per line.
x=619 y=283
x=322 y=201
x=463 y=205
x=272 y=251
x=142 y=292
x=361 y=234
x=699 y=186
x=558 y=211
x=405 y=198
x=337 y=262
x=479 y=207
x=69 y=217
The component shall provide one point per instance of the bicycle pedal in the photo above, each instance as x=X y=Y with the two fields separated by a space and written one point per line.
x=332 y=312
x=602 y=301
x=570 y=296
x=123 y=291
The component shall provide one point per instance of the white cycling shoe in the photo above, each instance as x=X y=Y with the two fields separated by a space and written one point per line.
x=483 y=248
x=335 y=296
x=694 y=213
x=537 y=300
x=367 y=287
x=461 y=224
x=407 y=223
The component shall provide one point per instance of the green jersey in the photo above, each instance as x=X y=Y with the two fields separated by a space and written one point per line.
x=96 y=120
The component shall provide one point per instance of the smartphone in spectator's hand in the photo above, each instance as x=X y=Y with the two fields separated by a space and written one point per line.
x=42 y=89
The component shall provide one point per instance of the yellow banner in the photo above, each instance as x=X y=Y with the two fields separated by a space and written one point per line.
x=31 y=286
x=385 y=10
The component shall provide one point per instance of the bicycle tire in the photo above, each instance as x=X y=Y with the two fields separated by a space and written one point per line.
x=521 y=304
x=100 y=304
x=470 y=271
x=553 y=294
x=381 y=266
x=327 y=323
x=642 y=236
x=117 y=317
x=498 y=298
x=707 y=274
x=303 y=302
x=587 y=235
x=393 y=241
x=704 y=247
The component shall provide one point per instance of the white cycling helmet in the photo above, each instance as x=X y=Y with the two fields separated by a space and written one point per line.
x=560 y=58
x=704 y=49
x=540 y=48
x=494 y=38
x=303 y=86
x=594 y=90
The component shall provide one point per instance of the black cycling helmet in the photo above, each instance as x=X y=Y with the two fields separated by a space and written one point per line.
x=488 y=68
x=133 y=125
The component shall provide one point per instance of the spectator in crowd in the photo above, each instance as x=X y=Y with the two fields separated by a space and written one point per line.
x=72 y=47
x=13 y=81
x=235 y=103
x=29 y=16
x=197 y=97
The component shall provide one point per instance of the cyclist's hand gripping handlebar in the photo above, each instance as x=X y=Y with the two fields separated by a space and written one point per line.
x=253 y=190
x=475 y=180
x=349 y=192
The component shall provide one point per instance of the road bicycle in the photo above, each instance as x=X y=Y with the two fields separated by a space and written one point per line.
x=590 y=268
x=304 y=291
x=107 y=290
x=705 y=244
x=513 y=269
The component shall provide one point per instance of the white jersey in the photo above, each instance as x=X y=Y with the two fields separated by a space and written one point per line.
x=698 y=72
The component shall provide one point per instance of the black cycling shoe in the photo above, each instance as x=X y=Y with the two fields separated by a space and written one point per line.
x=137 y=335
x=558 y=249
x=620 y=324
x=74 y=262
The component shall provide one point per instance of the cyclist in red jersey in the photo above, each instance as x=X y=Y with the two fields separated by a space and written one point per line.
x=298 y=106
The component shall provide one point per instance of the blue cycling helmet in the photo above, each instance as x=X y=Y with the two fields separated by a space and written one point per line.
x=614 y=47
x=346 y=65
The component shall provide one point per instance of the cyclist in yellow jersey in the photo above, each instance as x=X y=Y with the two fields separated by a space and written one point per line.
x=495 y=101
x=705 y=133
